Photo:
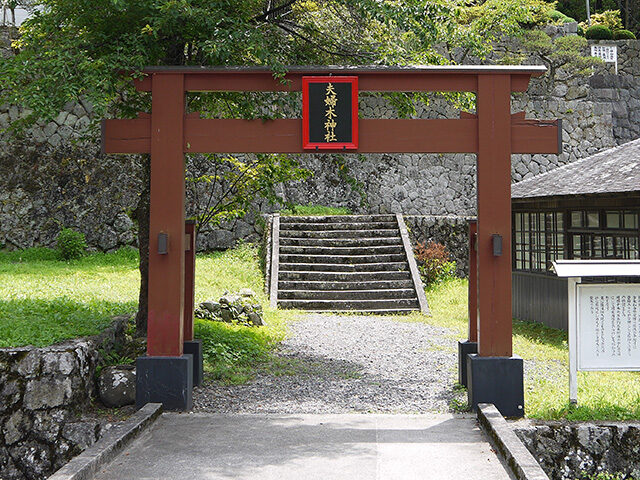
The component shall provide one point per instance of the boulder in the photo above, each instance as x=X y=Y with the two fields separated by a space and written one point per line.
x=117 y=385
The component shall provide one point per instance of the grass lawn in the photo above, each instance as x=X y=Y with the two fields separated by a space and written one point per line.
x=44 y=300
x=601 y=395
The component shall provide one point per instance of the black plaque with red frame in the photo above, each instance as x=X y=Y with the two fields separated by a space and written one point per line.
x=330 y=113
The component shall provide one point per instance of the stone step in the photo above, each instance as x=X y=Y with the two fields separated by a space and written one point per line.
x=384 y=294
x=340 y=242
x=345 y=267
x=348 y=259
x=316 y=226
x=342 y=234
x=342 y=251
x=342 y=305
x=344 y=285
x=343 y=276
x=338 y=218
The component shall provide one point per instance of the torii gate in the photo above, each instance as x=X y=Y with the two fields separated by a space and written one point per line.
x=166 y=374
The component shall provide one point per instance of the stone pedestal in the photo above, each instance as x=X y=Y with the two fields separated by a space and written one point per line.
x=497 y=380
x=166 y=380
x=194 y=347
x=465 y=348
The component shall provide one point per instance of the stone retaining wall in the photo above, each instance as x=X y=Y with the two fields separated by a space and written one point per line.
x=42 y=391
x=451 y=231
x=566 y=450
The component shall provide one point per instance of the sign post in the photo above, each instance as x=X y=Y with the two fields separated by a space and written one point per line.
x=604 y=318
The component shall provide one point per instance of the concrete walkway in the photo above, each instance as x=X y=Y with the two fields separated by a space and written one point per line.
x=309 y=447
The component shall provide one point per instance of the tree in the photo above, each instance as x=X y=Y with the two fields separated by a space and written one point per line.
x=79 y=48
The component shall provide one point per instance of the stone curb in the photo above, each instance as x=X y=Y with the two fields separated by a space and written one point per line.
x=520 y=461
x=87 y=464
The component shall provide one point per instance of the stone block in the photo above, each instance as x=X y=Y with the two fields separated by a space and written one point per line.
x=47 y=393
x=497 y=380
x=60 y=119
x=166 y=380
x=81 y=434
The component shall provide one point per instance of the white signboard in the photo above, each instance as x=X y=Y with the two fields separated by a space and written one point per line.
x=608 y=53
x=608 y=326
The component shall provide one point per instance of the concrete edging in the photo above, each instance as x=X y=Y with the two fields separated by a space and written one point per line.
x=519 y=460
x=87 y=464
x=413 y=267
x=275 y=259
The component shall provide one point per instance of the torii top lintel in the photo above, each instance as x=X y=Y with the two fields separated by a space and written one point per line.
x=441 y=78
x=375 y=135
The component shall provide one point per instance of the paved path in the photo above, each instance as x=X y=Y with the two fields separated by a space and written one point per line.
x=308 y=447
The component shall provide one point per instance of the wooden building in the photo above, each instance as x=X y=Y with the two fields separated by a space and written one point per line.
x=588 y=209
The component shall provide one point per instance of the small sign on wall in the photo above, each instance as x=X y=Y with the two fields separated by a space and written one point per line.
x=330 y=113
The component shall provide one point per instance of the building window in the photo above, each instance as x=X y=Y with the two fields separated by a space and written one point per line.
x=538 y=240
x=616 y=236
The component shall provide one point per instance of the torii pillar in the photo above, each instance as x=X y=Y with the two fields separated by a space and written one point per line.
x=166 y=373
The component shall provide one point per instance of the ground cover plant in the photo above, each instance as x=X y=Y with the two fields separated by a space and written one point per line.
x=601 y=395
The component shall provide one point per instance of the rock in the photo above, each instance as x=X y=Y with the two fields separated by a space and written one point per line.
x=256 y=319
x=246 y=292
x=226 y=315
x=56 y=362
x=211 y=306
x=117 y=385
x=47 y=424
x=81 y=434
x=47 y=393
x=229 y=299
x=122 y=223
x=16 y=427
x=30 y=364
x=9 y=394
x=33 y=458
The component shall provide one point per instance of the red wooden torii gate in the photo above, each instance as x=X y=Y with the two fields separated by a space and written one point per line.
x=493 y=134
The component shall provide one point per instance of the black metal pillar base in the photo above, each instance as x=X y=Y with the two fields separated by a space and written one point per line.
x=465 y=348
x=497 y=380
x=166 y=380
x=194 y=347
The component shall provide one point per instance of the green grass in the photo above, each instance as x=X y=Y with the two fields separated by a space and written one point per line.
x=315 y=210
x=601 y=395
x=45 y=300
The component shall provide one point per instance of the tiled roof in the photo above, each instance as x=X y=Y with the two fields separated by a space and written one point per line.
x=610 y=171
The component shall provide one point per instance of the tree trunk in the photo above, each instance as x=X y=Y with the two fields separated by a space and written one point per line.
x=142 y=215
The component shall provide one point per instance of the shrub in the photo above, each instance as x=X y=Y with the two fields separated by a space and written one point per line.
x=609 y=19
x=70 y=244
x=434 y=262
x=559 y=17
x=624 y=35
x=599 y=32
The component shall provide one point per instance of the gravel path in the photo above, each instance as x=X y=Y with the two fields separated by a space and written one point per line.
x=340 y=364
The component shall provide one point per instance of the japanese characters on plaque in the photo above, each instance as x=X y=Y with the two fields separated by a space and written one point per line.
x=330 y=113
x=608 y=53
x=609 y=327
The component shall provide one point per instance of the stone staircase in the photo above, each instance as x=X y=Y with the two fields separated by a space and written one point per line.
x=360 y=263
